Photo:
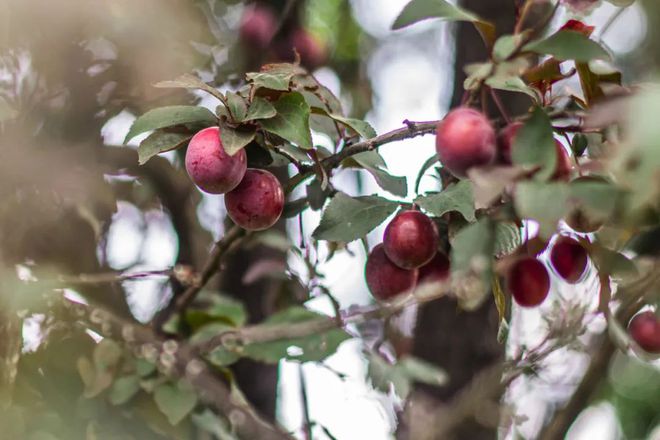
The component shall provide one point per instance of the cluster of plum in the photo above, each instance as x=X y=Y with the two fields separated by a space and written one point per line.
x=408 y=255
x=258 y=27
x=254 y=198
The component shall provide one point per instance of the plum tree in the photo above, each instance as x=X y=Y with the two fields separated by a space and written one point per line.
x=528 y=281
x=384 y=278
x=465 y=139
x=411 y=239
x=644 y=328
x=257 y=202
x=210 y=167
x=569 y=259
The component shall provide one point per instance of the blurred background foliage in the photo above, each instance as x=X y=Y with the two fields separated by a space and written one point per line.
x=70 y=73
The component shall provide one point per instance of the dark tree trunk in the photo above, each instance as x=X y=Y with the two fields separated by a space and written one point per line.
x=464 y=343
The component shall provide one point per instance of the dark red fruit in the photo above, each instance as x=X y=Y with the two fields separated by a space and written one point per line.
x=210 y=167
x=257 y=202
x=258 y=26
x=569 y=259
x=528 y=282
x=384 y=278
x=312 y=51
x=644 y=328
x=411 y=239
x=505 y=142
x=435 y=270
x=465 y=139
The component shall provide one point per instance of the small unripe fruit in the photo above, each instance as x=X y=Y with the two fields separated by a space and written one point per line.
x=257 y=202
x=644 y=328
x=465 y=139
x=505 y=142
x=435 y=270
x=384 y=278
x=258 y=26
x=210 y=167
x=569 y=259
x=528 y=281
x=411 y=239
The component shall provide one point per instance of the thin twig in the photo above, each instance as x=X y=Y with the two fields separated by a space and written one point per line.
x=112 y=277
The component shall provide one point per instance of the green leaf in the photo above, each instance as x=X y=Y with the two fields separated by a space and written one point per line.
x=422 y=171
x=159 y=142
x=422 y=371
x=237 y=106
x=403 y=374
x=221 y=356
x=107 y=354
x=505 y=46
x=315 y=347
x=168 y=116
x=568 y=45
x=213 y=307
x=546 y=203
x=144 y=368
x=362 y=128
x=123 y=389
x=457 y=197
x=349 y=218
x=534 y=145
x=235 y=139
x=174 y=401
x=260 y=109
x=188 y=81
x=274 y=76
x=473 y=248
x=507 y=238
x=375 y=165
x=511 y=83
x=213 y=424
x=418 y=10
x=292 y=120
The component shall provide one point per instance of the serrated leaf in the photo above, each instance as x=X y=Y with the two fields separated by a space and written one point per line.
x=188 y=81
x=457 y=197
x=349 y=218
x=362 y=128
x=235 y=139
x=546 y=203
x=175 y=402
x=568 y=45
x=260 y=109
x=315 y=347
x=237 y=106
x=375 y=165
x=534 y=145
x=292 y=120
x=274 y=76
x=418 y=10
x=159 y=142
x=168 y=116
x=123 y=389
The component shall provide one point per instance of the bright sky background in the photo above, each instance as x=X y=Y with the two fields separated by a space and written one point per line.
x=411 y=77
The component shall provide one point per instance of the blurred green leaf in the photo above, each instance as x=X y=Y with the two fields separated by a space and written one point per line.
x=168 y=116
x=159 y=142
x=534 y=144
x=292 y=120
x=546 y=203
x=457 y=197
x=373 y=162
x=350 y=218
x=174 y=401
x=505 y=45
x=315 y=347
x=568 y=45
x=107 y=354
x=402 y=374
x=213 y=424
x=472 y=248
x=418 y=10
x=362 y=128
x=123 y=389
x=188 y=81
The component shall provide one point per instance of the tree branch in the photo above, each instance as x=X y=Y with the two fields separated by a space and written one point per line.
x=178 y=360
